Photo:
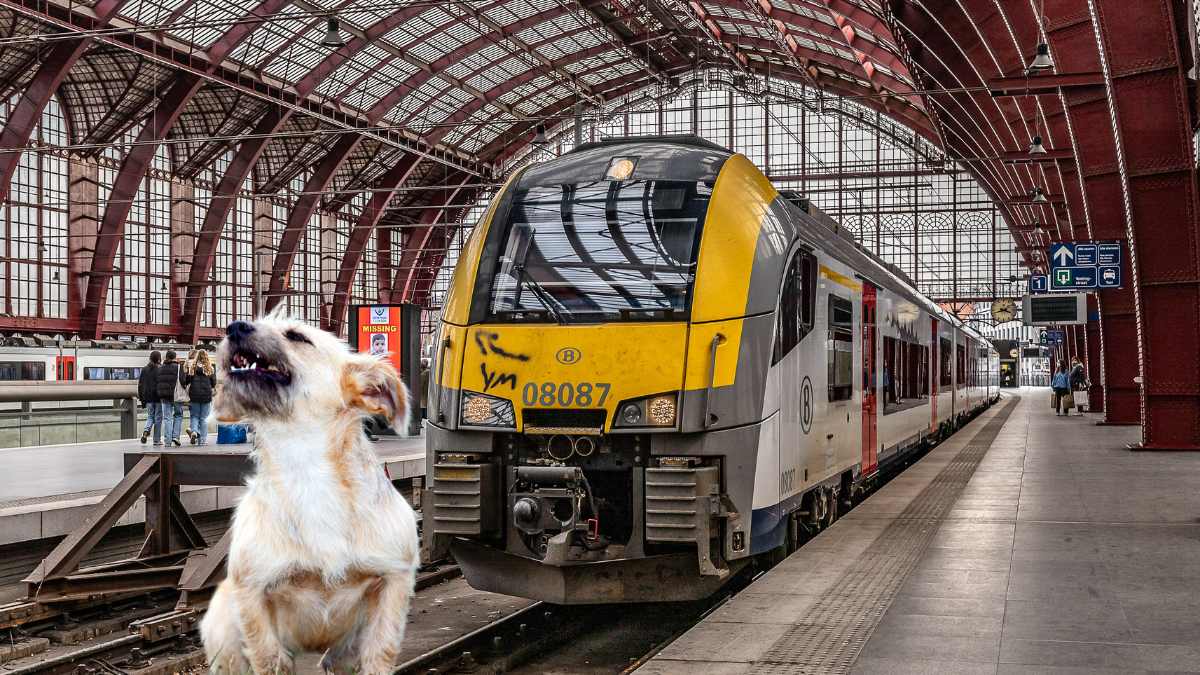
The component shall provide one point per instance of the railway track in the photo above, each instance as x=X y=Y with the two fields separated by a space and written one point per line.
x=139 y=636
x=581 y=638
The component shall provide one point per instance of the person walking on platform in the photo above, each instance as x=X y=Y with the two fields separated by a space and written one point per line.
x=1061 y=384
x=1079 y=383
x=172 y=396
x=148 y=393
x=199 y=377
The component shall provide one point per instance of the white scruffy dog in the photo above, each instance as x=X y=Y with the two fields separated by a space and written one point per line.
x=324 y=551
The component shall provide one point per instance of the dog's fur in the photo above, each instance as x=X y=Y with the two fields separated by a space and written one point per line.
x=324 y=551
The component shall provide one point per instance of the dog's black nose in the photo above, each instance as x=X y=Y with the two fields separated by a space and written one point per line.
x=239 y=330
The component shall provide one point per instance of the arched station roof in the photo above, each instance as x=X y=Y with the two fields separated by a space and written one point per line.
x=447 y=92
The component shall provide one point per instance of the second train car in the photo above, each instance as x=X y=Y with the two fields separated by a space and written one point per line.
x=652 y=367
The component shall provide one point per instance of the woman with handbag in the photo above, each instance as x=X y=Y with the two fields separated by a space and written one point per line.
x=1061 y=384
x=200 y=378
x=1079 y=384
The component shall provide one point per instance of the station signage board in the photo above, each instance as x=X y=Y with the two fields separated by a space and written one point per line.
x=1039 y=283
x=1054 y=309
x=379 y=331
x=1051 y=337
x=1085 y=265
x=391 y=332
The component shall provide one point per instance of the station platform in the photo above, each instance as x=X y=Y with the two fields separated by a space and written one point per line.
x=1025 y=543
x=48 y=490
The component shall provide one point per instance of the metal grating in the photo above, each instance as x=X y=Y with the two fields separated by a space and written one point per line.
x=835 y=629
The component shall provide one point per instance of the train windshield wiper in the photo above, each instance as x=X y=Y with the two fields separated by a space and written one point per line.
x=541 y=293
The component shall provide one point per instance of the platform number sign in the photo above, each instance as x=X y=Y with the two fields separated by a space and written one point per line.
x=1078 y=266
x=1039 y=283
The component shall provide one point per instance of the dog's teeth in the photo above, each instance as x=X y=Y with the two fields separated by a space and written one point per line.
x=254 y=366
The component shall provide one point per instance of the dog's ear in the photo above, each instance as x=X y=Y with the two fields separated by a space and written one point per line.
x=373 y=386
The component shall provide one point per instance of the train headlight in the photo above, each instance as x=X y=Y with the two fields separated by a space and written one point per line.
x=661 y=411
x=481 y=410
x=631 y=414
x=653 y=411
x=620 y=168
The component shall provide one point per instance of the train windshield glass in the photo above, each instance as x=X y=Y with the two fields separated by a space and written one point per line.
x=602 y=251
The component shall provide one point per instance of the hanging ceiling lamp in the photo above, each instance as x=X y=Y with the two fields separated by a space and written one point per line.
x=1036 y=147
x=333 y=34
x=1041 y=60
x=1037 y=196
x=539 y=136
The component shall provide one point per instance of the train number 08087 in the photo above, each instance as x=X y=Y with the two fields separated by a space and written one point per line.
x=565 y=394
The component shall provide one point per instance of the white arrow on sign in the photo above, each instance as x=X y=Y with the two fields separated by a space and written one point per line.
x=1063 y=255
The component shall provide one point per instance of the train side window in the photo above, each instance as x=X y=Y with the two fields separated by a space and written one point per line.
x=944 y=348
x=795 y=317
x=840 y=348
x=95 y=373
x=905 y=374
x=10 y=370
x=960 y=363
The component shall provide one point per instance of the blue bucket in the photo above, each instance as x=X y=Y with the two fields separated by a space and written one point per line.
x=229 y=434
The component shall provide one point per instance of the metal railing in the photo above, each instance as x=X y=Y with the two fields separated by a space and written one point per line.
x=123 y=395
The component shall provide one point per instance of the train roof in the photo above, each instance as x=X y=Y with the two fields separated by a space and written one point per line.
x=681 y=158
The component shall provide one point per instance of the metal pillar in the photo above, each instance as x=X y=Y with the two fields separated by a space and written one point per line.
x=361 y=233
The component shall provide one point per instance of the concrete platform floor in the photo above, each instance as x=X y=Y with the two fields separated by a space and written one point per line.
x=1063 y=552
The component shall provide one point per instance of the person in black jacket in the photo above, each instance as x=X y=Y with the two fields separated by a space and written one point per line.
x=199 y=377
x=172 y=410
x=148 y=393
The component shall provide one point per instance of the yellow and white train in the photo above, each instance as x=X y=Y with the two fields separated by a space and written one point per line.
x=652 y=367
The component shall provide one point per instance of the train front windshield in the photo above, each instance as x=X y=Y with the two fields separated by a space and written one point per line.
x=600 y=251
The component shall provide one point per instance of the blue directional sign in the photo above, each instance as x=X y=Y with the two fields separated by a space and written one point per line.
x=1082 y=265
x=1109 y=277
x=1039 y=283
x=1108 y=253
x=1085 y=255
x=1062 y=254
x=1051 y=337
x=1072 y=278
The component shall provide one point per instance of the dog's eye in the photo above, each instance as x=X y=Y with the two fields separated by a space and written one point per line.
x=297 y=336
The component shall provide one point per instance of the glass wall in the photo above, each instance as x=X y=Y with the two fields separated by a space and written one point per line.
x=33 y=223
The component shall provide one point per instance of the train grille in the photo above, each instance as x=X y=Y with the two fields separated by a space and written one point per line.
x=463 y=496
x=680 y=503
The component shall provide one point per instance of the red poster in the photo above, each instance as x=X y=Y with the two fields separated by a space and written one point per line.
x=379 y=332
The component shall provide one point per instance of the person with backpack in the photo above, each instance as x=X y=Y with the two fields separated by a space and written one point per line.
x=172 y=395
x=199 y=377
x=148 y=393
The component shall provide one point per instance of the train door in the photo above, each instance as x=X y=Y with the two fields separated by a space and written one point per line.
x=956 y=374
x=64 y=368
x=870 y=428
x=934 y=373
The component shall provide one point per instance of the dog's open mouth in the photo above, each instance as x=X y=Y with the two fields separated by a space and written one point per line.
x=247 y=363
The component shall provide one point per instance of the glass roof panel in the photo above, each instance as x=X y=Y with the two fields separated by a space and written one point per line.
x=270 y=36
x=150 y=12
x=206 y=20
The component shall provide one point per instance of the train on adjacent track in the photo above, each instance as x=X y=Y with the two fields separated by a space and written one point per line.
x=100 y=360
x=652 y=366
